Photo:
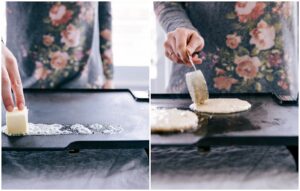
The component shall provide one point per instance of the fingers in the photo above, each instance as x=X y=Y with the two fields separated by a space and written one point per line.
x=196 y=59
x=169 y=52
x=181 y=36
x=15 y=80
x=182 y=43
x=6 y=90
x=171 y=42
x=195 y=44
x=169 y=46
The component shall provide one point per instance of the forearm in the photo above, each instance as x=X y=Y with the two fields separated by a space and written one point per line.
x=106 y=39
x=172 y=15
x=3 y=21
x=106 y=56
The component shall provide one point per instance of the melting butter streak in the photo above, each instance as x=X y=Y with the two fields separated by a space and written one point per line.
x=59 y=129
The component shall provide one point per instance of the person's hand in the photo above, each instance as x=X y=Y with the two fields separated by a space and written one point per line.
x=182 y=43
x=11 y=80
x=108 y=84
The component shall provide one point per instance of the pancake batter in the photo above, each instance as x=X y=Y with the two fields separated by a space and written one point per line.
x=221 y=106
x=58 y=129
x=170 y=120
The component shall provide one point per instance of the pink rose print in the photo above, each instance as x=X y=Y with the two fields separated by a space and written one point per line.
x=59 y=60
x=214 y=59
x=275 y=59
x=249 y=10
x=59 y=14
x=40 y=72
x=284 y=85
x=263 y=36
x=233 y=41
x=247 y=67
x=106 y=34
x=219 y=71
x=224 y=83
x=48 y=40
x=78 y=55
x=70 y=36
x=283 y=8
x=286 y=10
x=283 y=76
x=87 y=14
x=107 y=56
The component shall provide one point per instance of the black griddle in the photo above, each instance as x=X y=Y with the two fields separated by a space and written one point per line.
x=84 y=106
x=272 y=120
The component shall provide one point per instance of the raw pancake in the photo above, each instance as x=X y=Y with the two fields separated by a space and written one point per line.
x=222 y=106
x=197 y=87
x=170 y=120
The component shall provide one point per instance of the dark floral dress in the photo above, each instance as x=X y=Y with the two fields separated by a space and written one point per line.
x=249 y=46
x=59 y=44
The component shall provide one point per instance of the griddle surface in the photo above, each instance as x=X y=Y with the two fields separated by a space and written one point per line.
x=266 y=123
x=84 y=107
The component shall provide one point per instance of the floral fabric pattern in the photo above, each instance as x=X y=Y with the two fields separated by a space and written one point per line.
x=262 y=57
x=246 y=44
x=57 y=43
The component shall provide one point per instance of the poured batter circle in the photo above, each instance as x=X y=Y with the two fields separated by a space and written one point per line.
x=172 y=120
x=221 y=106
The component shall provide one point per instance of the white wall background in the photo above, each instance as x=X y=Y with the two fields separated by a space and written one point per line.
x=161 y=66
x=131 y=40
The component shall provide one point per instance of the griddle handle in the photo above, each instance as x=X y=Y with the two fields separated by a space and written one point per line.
x=147 y=152
x=286 y=99
x=139 y=98
x=294 y=152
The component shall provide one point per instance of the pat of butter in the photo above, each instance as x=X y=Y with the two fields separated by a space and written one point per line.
x=17 y=122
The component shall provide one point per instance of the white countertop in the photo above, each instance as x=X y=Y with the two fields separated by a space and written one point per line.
x=105 y=169
x=243 y=167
